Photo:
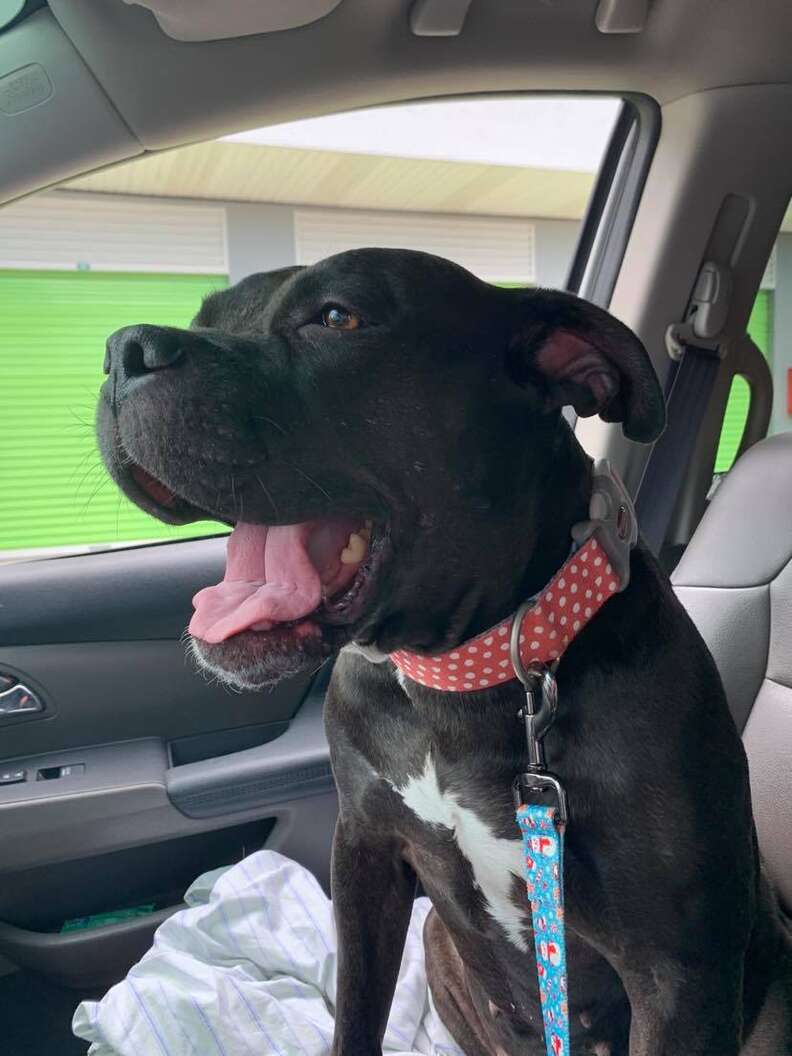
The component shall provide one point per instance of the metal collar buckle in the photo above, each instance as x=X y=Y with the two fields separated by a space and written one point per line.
x=611 y=519
x=538 y=715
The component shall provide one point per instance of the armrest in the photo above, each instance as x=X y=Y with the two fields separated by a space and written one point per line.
x=295 y=765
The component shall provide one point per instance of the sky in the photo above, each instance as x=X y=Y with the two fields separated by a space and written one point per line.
x=559 y=132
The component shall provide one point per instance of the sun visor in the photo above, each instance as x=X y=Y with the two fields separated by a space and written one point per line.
x=200 y=20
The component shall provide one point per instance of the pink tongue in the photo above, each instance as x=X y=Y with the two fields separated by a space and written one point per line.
x=273 y=575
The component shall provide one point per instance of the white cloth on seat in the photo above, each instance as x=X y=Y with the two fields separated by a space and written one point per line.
x=249 y=969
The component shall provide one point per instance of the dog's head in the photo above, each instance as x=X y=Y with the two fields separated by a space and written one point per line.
x=383 y=431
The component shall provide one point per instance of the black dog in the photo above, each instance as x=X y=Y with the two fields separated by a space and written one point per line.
x=397 y=423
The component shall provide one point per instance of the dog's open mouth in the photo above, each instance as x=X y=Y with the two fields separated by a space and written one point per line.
x=284 y=575
x=291 y=577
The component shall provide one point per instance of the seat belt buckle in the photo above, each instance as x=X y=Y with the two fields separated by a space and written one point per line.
x=612 y=520
x=706 y=316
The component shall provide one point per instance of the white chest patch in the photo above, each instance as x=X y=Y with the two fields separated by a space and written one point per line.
x=495 y=862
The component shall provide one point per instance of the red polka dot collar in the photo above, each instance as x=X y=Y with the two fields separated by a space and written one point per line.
x=570 y=600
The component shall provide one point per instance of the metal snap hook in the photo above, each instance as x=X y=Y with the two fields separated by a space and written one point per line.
x=541 y=690
x=538 y=715
x=541 y=695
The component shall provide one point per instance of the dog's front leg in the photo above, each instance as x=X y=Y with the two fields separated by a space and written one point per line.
x=680 y=1008
x=373 y=890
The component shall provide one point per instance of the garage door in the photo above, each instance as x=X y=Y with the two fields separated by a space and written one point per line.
x=105 y=232
x=53 y=489
x=497 y=249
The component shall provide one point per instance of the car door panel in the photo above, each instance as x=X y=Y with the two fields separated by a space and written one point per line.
x=98 y=638
x=76 y=802
x=97 y=692
x=141 y=593
x=36 y=903
x=136 y=758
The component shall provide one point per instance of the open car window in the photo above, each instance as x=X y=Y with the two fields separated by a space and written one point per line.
x=499 y=185
x=770 y=327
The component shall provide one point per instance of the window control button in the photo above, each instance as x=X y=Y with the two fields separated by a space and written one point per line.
x=54 y=773
x=12 y=777
x=72 y=770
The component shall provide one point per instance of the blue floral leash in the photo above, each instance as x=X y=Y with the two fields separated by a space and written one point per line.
x=543 y=844
x=542 y=827
x=539 y=796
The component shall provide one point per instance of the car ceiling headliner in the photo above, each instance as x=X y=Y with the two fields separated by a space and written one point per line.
x=363 y=53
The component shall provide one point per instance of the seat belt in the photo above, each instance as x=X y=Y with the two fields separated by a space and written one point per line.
x=686 y=404
x=694 y=346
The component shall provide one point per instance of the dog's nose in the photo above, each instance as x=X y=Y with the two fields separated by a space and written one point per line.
x=136 y=350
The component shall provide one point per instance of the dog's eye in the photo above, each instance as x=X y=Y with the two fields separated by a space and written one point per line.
x=338 y=318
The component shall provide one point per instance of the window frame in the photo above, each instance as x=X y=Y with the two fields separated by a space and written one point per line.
x=599 y=250
x=608 y=221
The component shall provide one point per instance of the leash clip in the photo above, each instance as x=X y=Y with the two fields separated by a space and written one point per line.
x=611 y=519
x=541 y=693
x=538 y=715
x=533 y=781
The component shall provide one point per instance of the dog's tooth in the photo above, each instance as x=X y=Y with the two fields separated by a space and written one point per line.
x=355 y=550
x=358 y=541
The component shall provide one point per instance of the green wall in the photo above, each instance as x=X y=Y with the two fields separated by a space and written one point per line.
x=760 y=327
x=54 y=490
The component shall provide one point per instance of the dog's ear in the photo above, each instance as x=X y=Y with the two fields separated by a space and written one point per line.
x=576 y=353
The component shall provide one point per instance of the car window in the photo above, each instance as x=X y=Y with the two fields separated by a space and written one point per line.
x=762 y=330
x=501 y=186
x=770 y=327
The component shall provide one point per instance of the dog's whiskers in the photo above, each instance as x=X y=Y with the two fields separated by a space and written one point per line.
x=103 y=482
x=312 y=481
x=238 y=502
x=81 y=465
x=266 y=491
x=269 y=421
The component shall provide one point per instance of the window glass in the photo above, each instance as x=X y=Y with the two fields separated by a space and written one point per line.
x=499 y=185
x=770 y=327
x=733 y=424
x=54 y=489
x=760 y=328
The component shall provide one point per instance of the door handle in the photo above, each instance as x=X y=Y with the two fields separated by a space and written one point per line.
x=18 y=699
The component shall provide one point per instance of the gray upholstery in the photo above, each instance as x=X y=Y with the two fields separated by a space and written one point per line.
x=735 y=580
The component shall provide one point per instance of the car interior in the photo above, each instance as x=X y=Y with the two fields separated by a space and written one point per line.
x=124 y=774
